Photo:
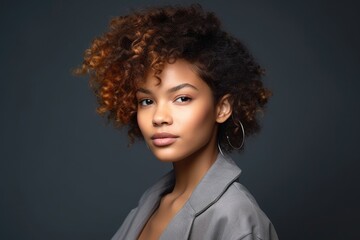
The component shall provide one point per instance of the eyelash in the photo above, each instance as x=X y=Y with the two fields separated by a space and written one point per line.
x=141 y=102
x=187 y=99
x=146 y=102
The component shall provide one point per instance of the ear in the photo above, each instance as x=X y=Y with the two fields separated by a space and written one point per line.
x=223 y=109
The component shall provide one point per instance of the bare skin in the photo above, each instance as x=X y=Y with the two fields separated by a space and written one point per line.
x=187 y=174
x=190 y=115
x=162 y=216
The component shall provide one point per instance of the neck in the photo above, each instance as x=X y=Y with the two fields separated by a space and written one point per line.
x=189 y=171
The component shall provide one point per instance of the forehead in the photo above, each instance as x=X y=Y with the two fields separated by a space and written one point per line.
x=173 y=74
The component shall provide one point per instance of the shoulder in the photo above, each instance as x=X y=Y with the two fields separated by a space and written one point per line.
x=238 y=205
x=237 y=197
x=236 y=215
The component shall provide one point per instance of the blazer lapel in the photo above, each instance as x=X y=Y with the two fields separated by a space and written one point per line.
x=148 y=203
x=180 y=226
x=219 y=177
x=215 y=182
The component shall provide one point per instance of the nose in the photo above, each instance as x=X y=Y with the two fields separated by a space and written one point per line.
x=161 y=116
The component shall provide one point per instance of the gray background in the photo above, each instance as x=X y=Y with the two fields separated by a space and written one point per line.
x=66 y=174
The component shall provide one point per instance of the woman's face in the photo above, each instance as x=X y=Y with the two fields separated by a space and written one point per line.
x=176 y=116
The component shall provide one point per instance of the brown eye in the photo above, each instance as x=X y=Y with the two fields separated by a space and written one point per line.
x=145 y=102
x=183 y=99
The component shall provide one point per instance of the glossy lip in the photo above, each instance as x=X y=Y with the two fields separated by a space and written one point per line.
x=163 y=139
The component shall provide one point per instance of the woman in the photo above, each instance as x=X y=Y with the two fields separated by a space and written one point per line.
x=192 y=92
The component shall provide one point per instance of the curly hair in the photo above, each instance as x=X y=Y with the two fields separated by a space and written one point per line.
x=146 y=40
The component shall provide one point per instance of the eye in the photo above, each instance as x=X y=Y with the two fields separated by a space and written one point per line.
x=183 y=99
x=145 y=102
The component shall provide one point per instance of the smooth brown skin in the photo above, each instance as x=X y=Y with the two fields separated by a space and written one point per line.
x=193 y=119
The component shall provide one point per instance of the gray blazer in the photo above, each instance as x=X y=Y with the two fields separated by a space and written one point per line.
x=219 y=208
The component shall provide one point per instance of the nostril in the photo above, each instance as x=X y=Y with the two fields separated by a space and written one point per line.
x=161 y=116
x=160 y=120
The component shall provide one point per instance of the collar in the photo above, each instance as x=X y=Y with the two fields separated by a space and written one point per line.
x=221 y=174
x=218 y=178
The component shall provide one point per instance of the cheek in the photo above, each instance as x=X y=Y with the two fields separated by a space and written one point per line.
x=142 y=121
x=200 y=117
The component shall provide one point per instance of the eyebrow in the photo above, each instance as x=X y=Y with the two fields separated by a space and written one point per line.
x=171 y=90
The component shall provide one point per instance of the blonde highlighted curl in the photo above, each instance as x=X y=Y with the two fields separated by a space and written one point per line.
x=145 y=40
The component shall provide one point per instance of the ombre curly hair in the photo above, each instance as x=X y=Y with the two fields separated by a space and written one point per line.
x=146 y=40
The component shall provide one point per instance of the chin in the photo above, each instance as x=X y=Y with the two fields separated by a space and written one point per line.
x=168 y=155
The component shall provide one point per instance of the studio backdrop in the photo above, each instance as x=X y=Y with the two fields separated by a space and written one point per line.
x=67 y=174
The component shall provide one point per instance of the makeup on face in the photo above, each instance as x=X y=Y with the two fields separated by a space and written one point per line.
x=163 y=139
x=176 y=115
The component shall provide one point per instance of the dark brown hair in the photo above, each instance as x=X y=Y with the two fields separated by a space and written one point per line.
x=119 y=59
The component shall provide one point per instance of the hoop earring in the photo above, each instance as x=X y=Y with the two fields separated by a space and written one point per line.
x=221 y=152
x=243 y=137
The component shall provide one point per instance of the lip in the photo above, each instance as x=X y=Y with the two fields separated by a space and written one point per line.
x=163 y=139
